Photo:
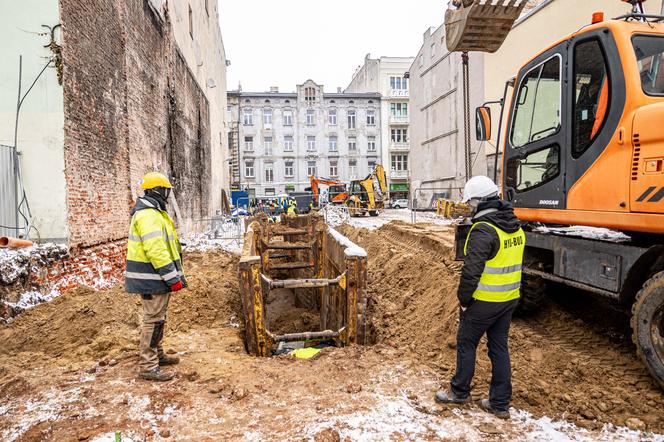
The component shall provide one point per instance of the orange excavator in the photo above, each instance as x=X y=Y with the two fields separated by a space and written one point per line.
x=337 y=193
x=584 y=149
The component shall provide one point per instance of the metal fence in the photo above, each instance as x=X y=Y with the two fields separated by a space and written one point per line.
x=426 y=199
x=8 y=215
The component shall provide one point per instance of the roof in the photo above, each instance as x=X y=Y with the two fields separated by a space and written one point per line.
x=357 y=95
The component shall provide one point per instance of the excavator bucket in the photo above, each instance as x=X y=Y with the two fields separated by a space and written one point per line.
x=480 y=25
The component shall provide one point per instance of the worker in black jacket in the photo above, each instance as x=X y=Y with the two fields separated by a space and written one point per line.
x=488 y=294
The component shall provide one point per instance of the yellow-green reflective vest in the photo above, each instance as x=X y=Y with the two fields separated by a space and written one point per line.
x=501 y=278
x=153 y=251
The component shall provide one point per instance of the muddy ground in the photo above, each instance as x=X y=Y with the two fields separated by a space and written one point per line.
x=68 y=368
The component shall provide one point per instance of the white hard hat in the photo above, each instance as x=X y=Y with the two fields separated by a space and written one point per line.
x=479 y=187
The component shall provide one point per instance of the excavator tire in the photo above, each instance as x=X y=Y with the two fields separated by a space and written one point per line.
x=373 y=212
x=648 y=326
x=533 y=295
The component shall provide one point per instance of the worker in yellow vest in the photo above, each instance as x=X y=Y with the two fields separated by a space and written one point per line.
x=154 y=270
x=488 y=293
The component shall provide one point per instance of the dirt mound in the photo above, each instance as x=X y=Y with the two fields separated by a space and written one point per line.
x=562 y=367
x=83 y=323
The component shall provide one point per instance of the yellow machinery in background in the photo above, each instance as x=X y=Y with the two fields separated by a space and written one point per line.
x=368 y=195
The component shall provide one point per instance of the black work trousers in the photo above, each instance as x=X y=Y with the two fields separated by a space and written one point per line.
x=492 y=318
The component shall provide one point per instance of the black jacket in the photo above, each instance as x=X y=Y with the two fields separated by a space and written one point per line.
x=484 y=244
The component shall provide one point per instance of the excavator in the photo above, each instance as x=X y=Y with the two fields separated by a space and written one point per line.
x=336 y=190
x=368 y=195
x=584 y=146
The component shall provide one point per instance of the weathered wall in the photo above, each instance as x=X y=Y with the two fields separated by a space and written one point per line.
x=131 y=106
x=41 y=119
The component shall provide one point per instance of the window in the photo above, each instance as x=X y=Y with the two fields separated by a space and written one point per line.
x=351 y=119
x=371 y=117
x=311 y=143
x=249 y=169
x=269 y=172
x=248 y=143
x=399 y=135
x=311 y=117
x=352 y=168
x=399 y=109
x=332 y=144
x=334 y=168
x=288 y=143
x=534 y=170
x=591 y=94
x=311 y=168
x=537 y=111
x=371 y=144
x=399 y=162
x=332 y=117
x=433 y=50
x=191 y=23
x=267 y=117
x=352 y=145
x=288 y=168
x=248 y=117
x=421 y=60
x=270 y=191
x=288 y=118
x=207 y=10
x=268 y=145
x=309 y=94
x=650 y=60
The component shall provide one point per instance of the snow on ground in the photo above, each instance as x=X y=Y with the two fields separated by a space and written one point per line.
x=405 y=215
x=225 y=234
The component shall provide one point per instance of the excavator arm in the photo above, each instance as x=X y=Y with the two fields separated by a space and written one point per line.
x=315 y=182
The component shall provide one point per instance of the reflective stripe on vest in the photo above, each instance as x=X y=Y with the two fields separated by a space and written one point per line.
x=501 y=278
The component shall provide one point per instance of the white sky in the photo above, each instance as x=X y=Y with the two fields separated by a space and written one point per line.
x=285 y=42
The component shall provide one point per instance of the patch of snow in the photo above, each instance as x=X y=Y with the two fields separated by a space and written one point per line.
x=110 y=437
x=586 y=232
x=31 y=299
x=335 y=215
x=352 y=249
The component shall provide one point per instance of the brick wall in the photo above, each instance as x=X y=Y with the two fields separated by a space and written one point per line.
x=131 y=106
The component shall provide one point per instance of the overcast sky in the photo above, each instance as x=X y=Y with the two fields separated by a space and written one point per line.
x=285 y=42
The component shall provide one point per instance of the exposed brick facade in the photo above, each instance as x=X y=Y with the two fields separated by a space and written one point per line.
x=131 y=106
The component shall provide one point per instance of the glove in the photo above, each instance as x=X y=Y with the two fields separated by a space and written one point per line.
x=177 y=286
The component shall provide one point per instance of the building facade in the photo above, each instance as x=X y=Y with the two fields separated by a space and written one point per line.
x=438 y=159
x=280 y=139
x=109 y=103
x=387 y=76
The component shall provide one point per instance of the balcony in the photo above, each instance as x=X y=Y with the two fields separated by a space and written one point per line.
x=398 y=93
x=398 y=174
x=400 y=146
x=399 y=119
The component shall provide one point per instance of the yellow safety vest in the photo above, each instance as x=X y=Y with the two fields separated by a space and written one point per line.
x=501 y=278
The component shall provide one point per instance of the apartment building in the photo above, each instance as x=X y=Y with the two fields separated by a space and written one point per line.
x=280 y=139
x=387 y=76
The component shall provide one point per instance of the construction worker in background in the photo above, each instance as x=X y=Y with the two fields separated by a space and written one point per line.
x=488 y=293
x=292 y=206
x=154 y=270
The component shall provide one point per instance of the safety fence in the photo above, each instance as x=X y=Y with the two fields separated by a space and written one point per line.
x=9 y=220
x=426 y=199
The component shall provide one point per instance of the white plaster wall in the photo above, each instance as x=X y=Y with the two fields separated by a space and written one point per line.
x=41 y=123
x=206 y=57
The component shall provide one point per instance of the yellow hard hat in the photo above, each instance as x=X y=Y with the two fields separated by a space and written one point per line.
x=155 y=179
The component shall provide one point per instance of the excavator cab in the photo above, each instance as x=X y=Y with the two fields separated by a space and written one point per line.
x=480 y=25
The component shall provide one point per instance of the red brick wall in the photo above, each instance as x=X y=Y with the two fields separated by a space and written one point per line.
x=131 y=106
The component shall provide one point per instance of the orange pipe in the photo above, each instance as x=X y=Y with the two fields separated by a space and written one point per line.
x=13 y=243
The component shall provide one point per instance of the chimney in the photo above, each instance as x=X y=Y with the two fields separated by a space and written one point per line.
x=338 y=90
x=274 y=89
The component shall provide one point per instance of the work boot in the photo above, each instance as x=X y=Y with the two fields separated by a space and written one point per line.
x=486 y=406
x=168 y=360
x=156 y=375
x=448 y=397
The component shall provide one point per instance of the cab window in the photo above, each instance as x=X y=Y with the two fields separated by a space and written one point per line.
x=591 y=95
x=534 y=169
x=537 y=111
x=649 y=52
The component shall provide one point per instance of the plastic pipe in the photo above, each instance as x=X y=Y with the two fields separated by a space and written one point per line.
x=13 y=243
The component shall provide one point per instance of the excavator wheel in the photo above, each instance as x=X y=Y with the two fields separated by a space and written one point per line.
x=533 y=295
x=648 y=326
x=373 y=212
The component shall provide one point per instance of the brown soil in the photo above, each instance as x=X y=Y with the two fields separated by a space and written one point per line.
x=563 y=367
x=68 y=368
x=284 y=317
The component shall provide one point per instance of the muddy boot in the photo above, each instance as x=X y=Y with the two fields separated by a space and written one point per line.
x=156 y=375
x=448 y=397
x=486 y=406
x=168 y=360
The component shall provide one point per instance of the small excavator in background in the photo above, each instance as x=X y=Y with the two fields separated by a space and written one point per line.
x=368 y=195
x=584 y=146
x=337 y=193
